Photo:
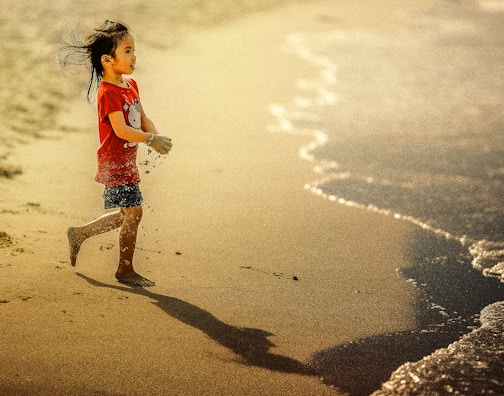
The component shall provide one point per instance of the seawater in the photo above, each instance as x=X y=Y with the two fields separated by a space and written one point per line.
x=410 y=123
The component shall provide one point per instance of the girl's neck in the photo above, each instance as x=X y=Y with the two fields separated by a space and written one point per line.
x=116 y=79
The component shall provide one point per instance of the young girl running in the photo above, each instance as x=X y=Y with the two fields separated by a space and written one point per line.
x=110 y=50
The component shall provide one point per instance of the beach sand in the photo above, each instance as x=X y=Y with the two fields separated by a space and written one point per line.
x=253 y=273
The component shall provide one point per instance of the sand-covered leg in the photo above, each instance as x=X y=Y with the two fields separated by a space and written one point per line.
x=77 y=235
x=127 y=242
x=74 y=243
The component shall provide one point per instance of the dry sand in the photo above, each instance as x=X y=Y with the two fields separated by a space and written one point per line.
x=254 y=274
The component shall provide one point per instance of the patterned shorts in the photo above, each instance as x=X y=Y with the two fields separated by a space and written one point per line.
x=125 y=196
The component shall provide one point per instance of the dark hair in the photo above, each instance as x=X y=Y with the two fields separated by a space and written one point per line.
x=103 y=40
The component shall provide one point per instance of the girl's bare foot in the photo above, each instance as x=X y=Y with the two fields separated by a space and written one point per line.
x=133 y=279
x=74 y=242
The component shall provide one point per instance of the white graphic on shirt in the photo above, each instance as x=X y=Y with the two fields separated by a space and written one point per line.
x=134 y=116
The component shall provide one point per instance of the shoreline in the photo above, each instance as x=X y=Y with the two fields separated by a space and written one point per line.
x=254 y=274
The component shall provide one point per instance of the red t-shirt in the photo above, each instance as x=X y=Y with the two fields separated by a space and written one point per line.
x=116 y=156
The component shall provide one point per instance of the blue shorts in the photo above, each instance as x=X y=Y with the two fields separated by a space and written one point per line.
x=125 y=196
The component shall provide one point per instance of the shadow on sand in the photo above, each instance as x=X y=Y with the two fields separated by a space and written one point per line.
x=445 y=278
x=251 y=345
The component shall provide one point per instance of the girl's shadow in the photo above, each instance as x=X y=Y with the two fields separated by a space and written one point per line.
x=252 y=345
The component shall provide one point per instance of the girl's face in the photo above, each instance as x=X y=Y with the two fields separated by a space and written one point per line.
x=124 y=59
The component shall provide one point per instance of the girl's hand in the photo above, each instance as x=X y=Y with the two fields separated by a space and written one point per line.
x=161 y=144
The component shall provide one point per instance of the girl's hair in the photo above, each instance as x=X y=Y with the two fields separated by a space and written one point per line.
x=103 y=40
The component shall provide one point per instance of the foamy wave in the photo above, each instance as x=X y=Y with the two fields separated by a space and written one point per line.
x=489 y=258
x=471 y=366
x=296 y=118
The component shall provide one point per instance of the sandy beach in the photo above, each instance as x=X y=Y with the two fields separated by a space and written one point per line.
x=253 y=273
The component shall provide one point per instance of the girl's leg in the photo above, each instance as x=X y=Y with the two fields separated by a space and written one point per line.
x=105 y=223
x=127 y=242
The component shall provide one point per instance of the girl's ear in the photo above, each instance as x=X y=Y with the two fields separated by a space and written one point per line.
x=106 y=59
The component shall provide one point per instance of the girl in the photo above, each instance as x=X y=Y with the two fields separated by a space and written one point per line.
x=110 y=51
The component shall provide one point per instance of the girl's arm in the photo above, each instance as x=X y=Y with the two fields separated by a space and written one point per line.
x=126 y=132
x=147 y=124
x=161 y=144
